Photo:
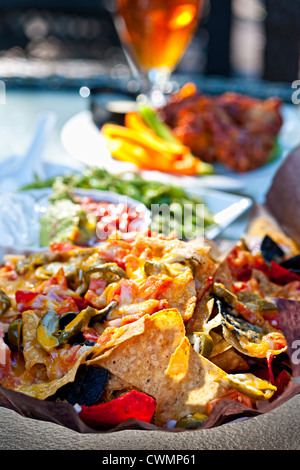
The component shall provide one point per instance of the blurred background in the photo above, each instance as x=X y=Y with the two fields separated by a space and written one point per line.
x=66 y=42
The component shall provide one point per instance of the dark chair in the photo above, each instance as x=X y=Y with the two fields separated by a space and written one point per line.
x=282 y=27
x=282 y=36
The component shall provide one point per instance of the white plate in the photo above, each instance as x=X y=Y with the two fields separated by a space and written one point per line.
x=20 y=214
x=84 y=142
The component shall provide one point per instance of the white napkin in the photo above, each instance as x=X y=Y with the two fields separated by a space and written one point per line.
x=17 y=171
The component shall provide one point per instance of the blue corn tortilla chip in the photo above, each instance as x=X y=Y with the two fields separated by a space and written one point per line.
x=270 y=250
x=87 y=387
x=292 y=264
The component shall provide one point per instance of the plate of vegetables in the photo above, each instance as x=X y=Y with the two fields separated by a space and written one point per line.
x=219 y=141
x=187 y=213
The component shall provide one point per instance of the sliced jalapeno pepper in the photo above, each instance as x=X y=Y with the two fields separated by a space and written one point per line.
x=14 y=334
x=50 y=333
x=191 y=421
x=5 y=302
x=202 y=343
x=153 y=267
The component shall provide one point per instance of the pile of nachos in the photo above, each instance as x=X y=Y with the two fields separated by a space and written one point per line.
x=147 y=327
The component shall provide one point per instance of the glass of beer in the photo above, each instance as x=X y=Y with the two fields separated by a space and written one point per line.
x=156 y=33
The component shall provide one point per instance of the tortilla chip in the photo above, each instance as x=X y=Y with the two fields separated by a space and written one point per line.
x=44 y=390
x=181 y=294
x=268 y=288
x=203 y=311
x=112 y=338
x=142 y=359
x=262 y=223
x=203 y=272
x=115 y=387
x=33 y=352
x=164 y=248
x=230 y=361
x=190 y=382
x=223 y=275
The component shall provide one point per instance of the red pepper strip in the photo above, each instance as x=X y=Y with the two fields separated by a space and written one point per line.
x=270 y=358
x=24 y=299
x=282 y=381
x=80 y=303
x=234 y=395
x=273 y=318
x=132 y=405
x=281 y=275
x=209 y=283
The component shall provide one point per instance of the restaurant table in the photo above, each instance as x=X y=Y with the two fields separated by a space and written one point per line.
x=278 y=429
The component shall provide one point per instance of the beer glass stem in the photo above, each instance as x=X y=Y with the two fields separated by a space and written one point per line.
x=159 y=86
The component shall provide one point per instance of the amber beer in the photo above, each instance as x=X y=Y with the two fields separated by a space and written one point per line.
x=158 y=31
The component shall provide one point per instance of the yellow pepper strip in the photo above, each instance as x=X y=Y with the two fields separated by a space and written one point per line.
x=188 y=166
x=126 y=151
x=135 y=121
x=121 y=150
x=146 y=140
x=142 y=147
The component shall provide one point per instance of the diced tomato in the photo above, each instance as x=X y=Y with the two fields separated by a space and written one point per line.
x=97 y=285
x=59 y=279
x=80 y=303
x=241 y=262
x=68 y=305
x=24 y=299
x=125 y=292
x=96 y=288
x=251 y=285
x=234 y=395
x=91 y=335
x=62 y=247
x=255 y=318
x=153 y=286
x=134 y=405
x=272 y=316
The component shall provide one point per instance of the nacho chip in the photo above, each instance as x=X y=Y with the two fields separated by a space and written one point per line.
x=230 y=361
x=202 y=312
x=114 y=388
x=142 y=359
x=33 y=352
x=223 y=275
x=204 y=273
x=44 y=390
x=113 y=337
x=262 y=223
x=190 y=382
x=181 y=294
